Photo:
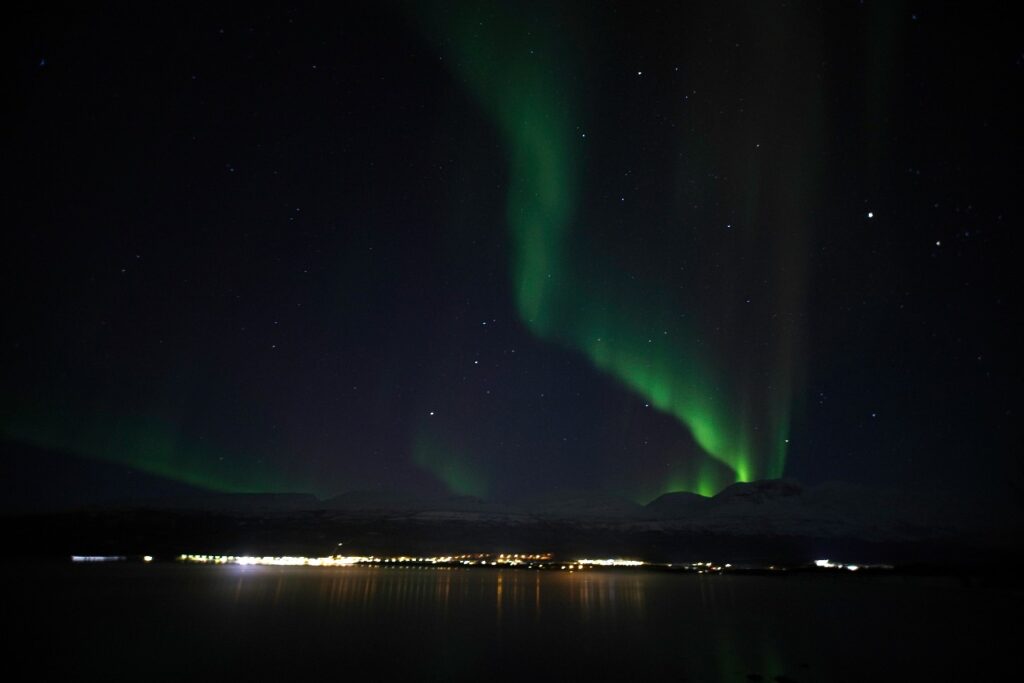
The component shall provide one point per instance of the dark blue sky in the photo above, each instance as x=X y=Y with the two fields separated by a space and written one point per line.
x=270 y=249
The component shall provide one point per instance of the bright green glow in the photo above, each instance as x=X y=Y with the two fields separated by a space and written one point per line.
x=456 y=470
x=145 y=444
x=570 y=296
x=705 y=476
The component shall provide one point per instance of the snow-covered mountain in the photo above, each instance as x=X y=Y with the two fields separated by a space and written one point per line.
x=586 y=506
x=769 y=508
x=782 y=507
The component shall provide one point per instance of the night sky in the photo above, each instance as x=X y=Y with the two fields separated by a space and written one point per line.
x=516 y=250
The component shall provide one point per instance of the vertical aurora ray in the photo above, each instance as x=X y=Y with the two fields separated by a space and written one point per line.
x=524 y=78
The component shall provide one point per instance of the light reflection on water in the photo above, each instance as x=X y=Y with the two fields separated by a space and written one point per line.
x=450 y=623
x=409 y=590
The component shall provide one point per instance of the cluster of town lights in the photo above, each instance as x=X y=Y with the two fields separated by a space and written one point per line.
x=829 y=564
x=280 y=560
x=98 y=558
x=706 y=567
x=476 y=559
x=527 y=560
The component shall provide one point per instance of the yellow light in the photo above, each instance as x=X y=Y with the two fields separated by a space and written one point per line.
x=612 y=563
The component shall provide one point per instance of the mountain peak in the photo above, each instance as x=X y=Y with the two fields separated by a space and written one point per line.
x=760 y=491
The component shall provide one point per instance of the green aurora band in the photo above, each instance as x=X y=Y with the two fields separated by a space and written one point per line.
x=524 y=80
x=146 y=444
x=452 y=466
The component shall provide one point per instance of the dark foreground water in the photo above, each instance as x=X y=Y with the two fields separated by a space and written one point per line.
x=167 y=621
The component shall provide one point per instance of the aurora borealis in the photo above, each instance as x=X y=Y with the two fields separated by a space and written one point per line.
x=510 y=252
x=526 y=80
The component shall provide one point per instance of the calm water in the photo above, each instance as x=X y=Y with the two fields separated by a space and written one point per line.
x=166 y=621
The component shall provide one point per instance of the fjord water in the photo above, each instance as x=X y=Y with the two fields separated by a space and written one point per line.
x=162 y=621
